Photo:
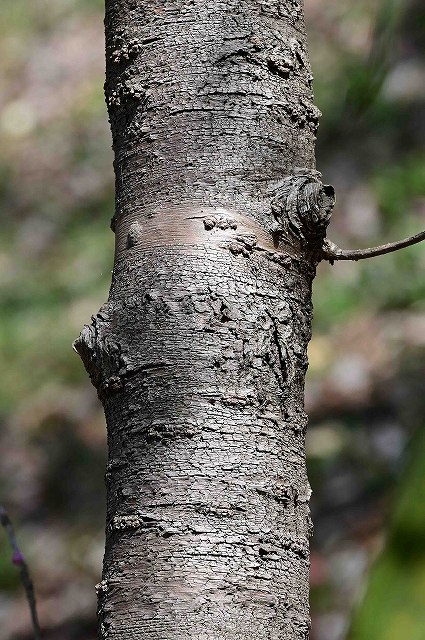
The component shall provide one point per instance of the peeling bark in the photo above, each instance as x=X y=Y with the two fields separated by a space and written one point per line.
x=199 y=355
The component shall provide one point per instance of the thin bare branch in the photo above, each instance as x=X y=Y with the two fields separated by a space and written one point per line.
x=19 y=561
x=332 y=252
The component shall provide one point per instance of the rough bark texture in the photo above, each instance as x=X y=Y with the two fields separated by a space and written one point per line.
x=199 y=355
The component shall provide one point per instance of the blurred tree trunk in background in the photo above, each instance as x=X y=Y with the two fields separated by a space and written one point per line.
x=199 y=355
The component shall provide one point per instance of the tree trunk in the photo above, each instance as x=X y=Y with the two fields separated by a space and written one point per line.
x=199 y=355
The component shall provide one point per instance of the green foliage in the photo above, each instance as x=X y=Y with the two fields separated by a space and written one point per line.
x=408 y=518
x=393 y=605
x=398 y=186
x=9 y=574
x=44 y=304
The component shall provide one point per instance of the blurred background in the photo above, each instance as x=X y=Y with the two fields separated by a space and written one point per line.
x=366 y=383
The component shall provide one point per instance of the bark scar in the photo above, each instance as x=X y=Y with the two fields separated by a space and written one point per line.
x=103 y=358
x=302 y=207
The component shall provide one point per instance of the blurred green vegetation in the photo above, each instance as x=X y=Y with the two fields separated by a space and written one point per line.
x=393 y=605
x=370 y=79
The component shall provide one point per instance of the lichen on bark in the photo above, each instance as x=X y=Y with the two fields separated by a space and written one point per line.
x=199 y=355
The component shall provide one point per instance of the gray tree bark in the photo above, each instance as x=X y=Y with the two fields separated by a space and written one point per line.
x=199 y=355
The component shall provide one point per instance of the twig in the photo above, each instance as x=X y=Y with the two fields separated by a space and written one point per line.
x=332 y=252
x=19 y=560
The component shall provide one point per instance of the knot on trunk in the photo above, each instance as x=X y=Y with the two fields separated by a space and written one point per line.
x=302 y=208
x=102 y=357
